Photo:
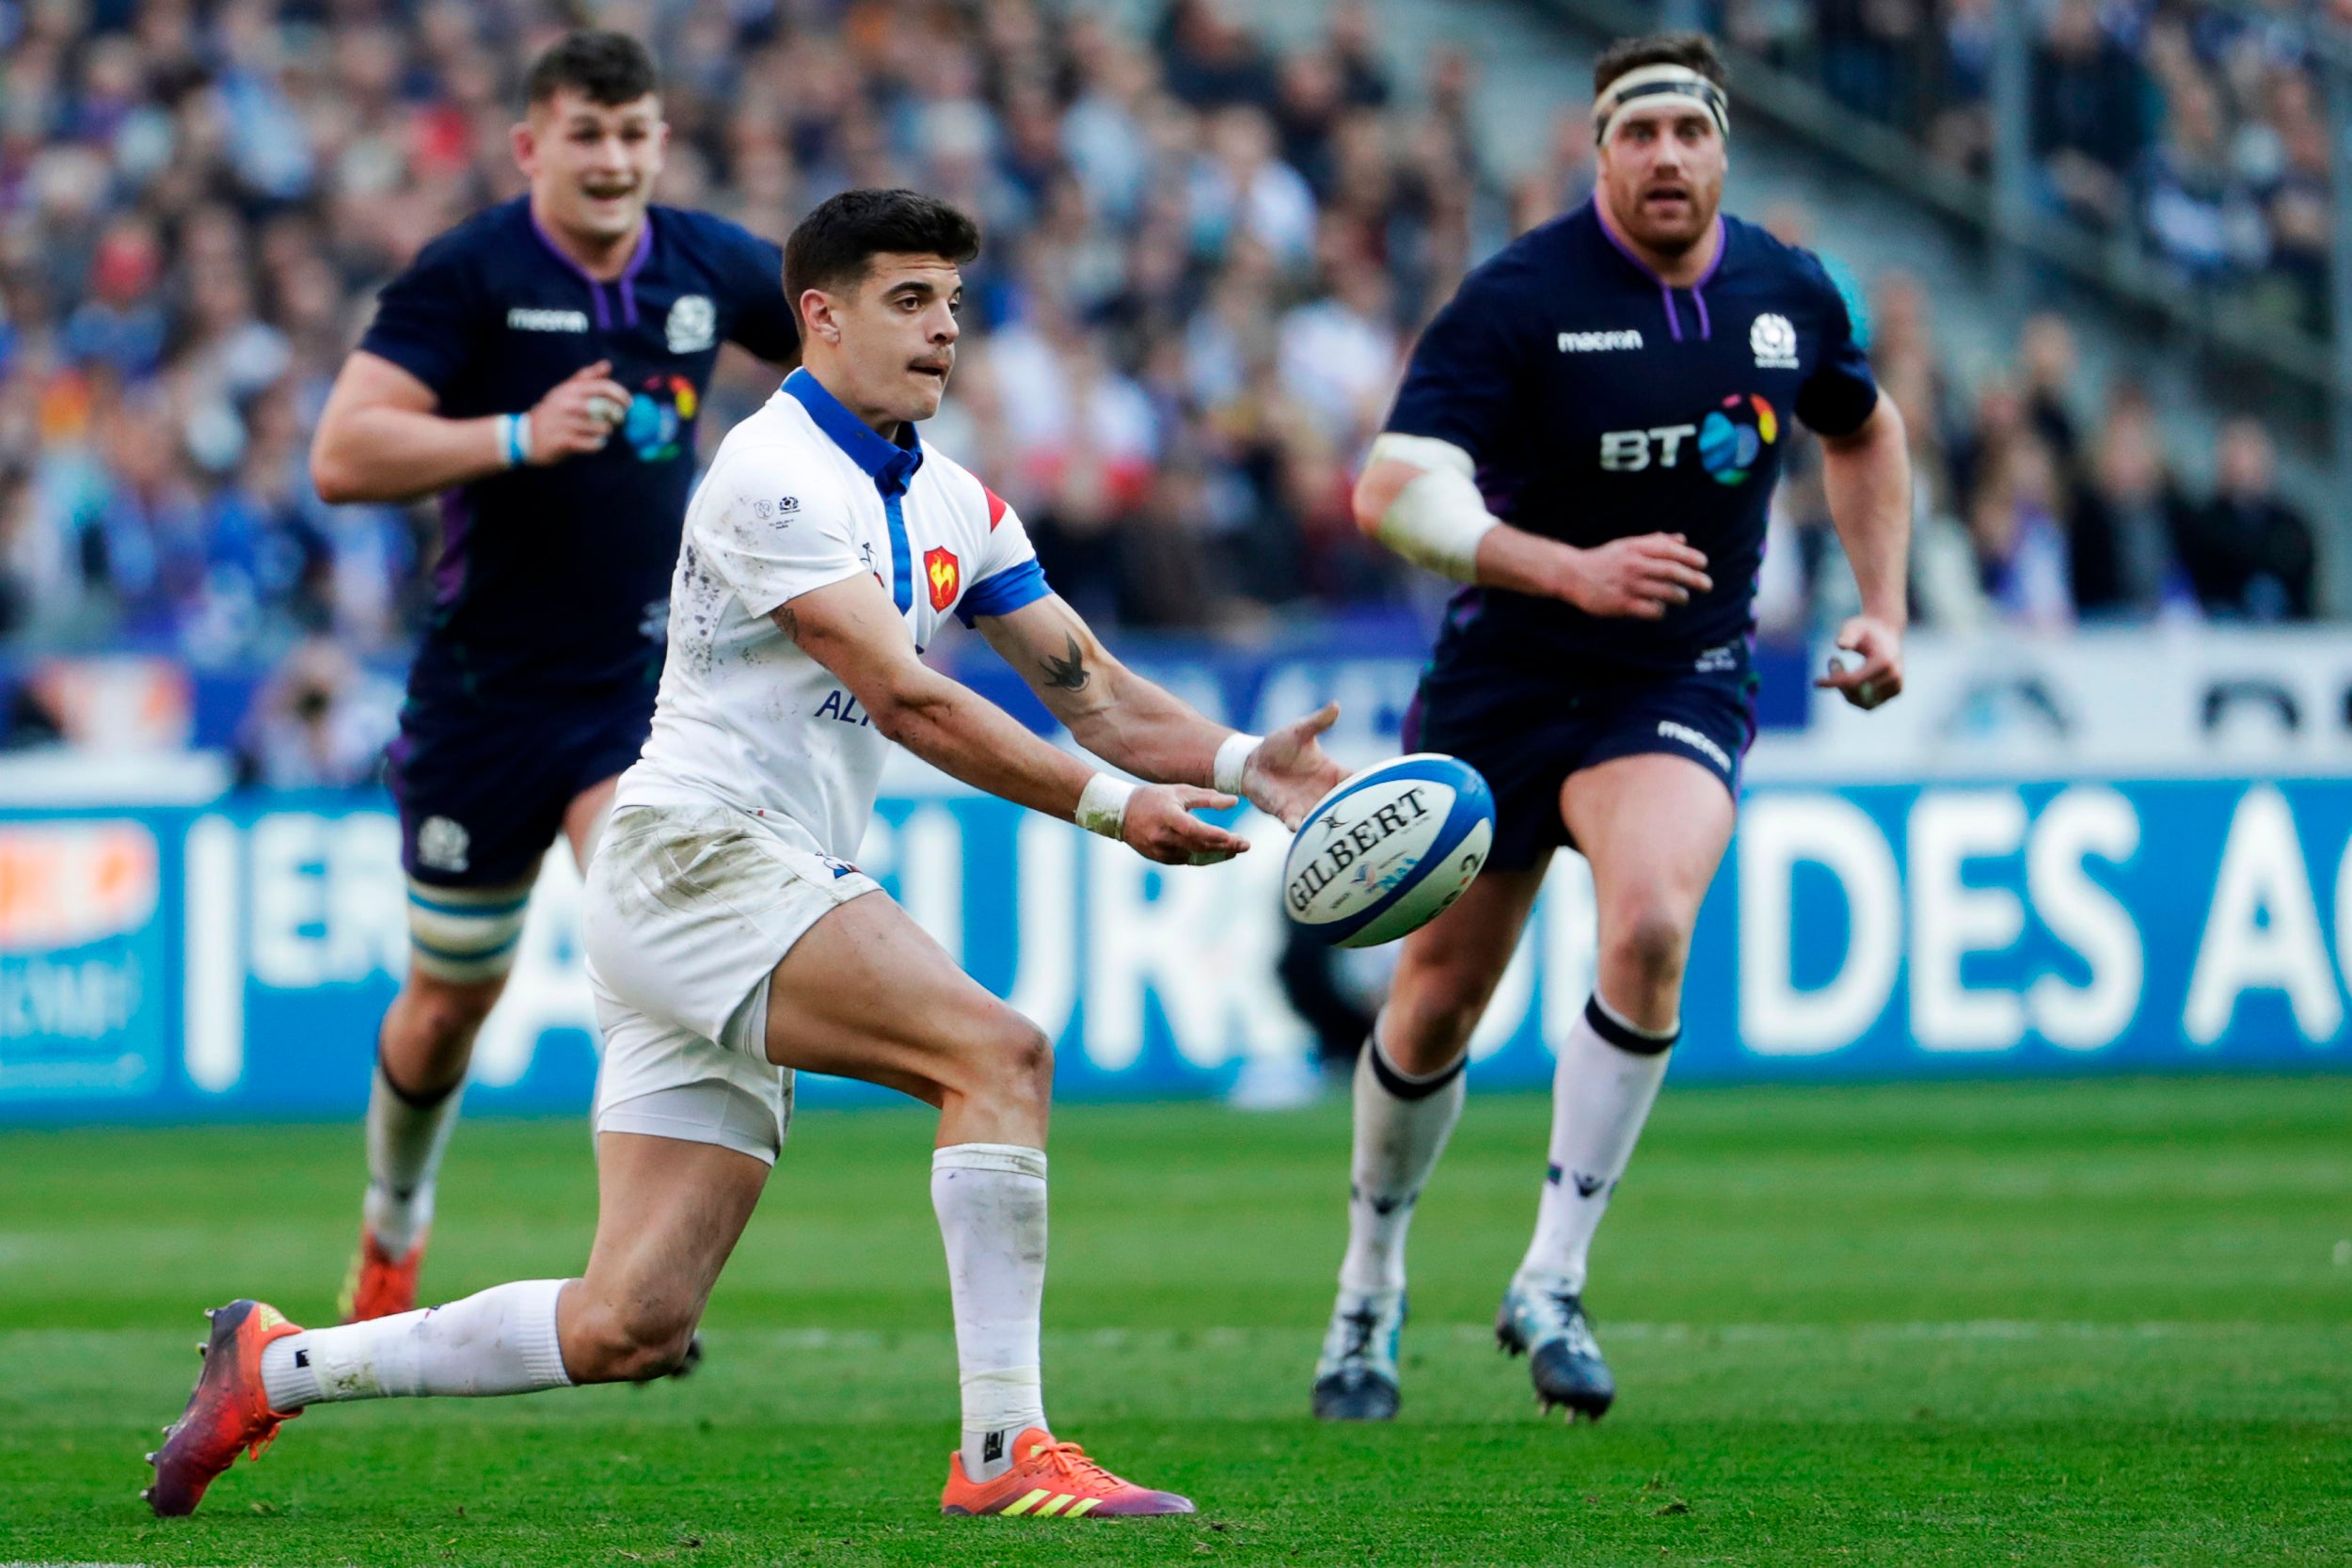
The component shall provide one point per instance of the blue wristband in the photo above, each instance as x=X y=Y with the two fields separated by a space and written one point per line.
x=511 y=430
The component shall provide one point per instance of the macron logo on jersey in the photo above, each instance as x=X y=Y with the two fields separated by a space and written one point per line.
x=523 y=319
x=1598 y=342
x=1697 y=742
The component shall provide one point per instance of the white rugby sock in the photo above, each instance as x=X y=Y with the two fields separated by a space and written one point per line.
x=501 y=1340
x=1601 y=1091
x=405 y=1137
x=991 y=1203
x=1402 y=1124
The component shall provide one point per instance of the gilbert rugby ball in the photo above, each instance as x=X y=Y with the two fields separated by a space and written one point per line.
x=1380 y=855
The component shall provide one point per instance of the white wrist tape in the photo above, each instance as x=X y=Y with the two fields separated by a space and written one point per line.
x=1231 y=757
x=1102 y=805
x=1437 y=520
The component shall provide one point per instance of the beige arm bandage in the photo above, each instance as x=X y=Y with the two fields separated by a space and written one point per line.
x=1438 y=519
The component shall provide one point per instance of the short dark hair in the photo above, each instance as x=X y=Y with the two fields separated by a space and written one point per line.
x=835 y=244
x=606 y=68
x=1693 y=50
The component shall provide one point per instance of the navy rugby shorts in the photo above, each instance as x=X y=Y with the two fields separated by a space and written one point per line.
x=1528 y=729
x=483 y=792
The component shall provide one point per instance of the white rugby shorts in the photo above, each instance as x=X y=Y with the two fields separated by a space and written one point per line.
x=688 y=911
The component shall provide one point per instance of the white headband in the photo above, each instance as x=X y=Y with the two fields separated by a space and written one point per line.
x=1660 y=86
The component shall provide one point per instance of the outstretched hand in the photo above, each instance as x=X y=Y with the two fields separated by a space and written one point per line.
x=1160 y=826
x=1290 y=771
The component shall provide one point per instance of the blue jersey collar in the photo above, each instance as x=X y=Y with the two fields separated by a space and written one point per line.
x=890 y=465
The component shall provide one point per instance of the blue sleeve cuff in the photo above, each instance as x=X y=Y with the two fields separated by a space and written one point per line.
x=1005 y=593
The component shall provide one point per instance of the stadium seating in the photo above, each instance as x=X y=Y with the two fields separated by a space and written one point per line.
x=1204 y=258
x=2195 y=128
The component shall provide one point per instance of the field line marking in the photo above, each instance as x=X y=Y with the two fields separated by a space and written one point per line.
x=1235 y=1337
x=1994 y=1329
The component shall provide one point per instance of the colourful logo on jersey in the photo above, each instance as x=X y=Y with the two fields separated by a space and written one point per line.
x=946 y=574
x=1733 y=436
x=660 y=418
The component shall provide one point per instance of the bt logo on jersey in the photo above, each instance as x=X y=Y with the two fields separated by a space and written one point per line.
x=1730 y=440
x=945 y=575
x=1629 y=452
x=1732 y=437
x=661 y=419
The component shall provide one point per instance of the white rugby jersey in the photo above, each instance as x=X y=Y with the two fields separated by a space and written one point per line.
x=803 y=494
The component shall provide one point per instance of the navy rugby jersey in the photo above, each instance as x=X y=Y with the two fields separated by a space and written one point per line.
x=554 y=580
x=1598 y=403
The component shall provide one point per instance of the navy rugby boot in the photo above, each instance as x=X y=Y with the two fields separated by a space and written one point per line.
x=1546 y=1324
x=1356 y=1377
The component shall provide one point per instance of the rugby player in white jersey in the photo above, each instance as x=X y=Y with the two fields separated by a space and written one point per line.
x=732 y=939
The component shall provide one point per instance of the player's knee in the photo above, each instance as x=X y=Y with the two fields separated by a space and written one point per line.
x=1025 y=1057
x=1427 y=1026
x=446 y=1015
x=1441 y=1036
x=630 y=1344
x=1654 y=942
x=1001 y=1060
x=659 y=1355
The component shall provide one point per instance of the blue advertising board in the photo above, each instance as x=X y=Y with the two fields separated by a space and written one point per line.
x=85 y=957
x=233 y=960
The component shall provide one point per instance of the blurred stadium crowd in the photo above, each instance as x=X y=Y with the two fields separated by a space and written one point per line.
x=2036 y=505
x=1205 y=260
x=2195 y=127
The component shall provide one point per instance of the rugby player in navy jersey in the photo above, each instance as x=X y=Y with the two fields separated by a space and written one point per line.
x=541 y=367
x=1587 y=437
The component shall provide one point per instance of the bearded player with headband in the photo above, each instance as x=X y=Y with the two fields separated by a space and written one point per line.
x=1588 y=437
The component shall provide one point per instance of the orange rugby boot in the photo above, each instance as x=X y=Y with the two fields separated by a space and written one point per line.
x=227 y=1411
x=379 y=1284
x=1053 y=1480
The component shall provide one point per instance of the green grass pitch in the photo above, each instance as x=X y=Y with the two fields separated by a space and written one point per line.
x=2045 y=1322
